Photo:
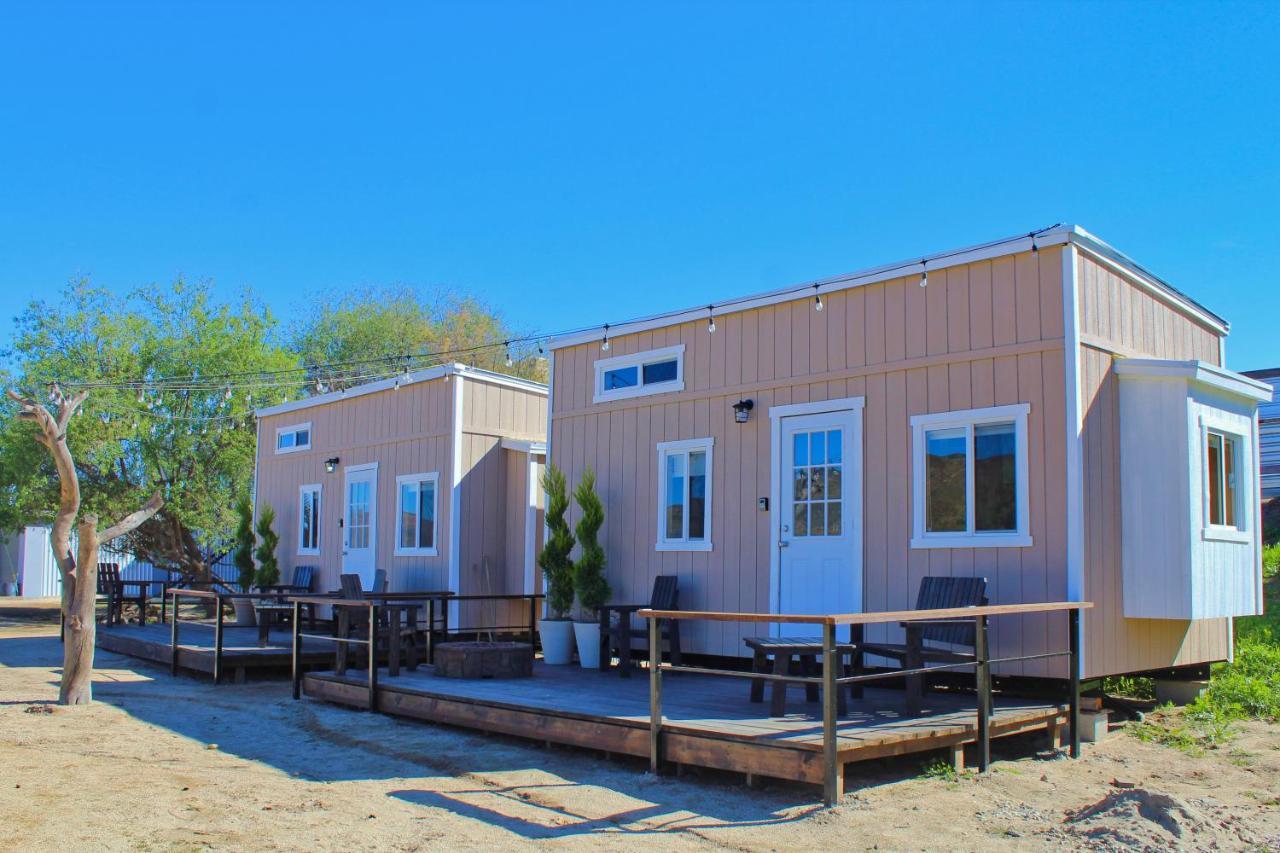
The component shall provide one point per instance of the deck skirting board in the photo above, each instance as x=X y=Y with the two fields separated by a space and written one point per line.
x=780 y=758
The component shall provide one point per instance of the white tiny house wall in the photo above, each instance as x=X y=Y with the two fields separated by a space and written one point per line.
x=1176 y=565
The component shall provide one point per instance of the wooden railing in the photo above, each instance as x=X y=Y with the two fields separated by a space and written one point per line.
x=395 y=605
x=832 y=683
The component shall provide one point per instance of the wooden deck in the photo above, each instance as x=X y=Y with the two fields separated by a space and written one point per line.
x=708 y=720
x=240 y=649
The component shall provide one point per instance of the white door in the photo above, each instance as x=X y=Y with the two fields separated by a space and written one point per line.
x=820 y=516
x=360 y=522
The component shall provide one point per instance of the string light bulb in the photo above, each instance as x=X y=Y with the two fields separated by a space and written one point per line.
x=227 y=396
x=711 y=320
x=604 y=344
x=924 y=274
x=1035 y=250
x=817 y=299
x=509 y=360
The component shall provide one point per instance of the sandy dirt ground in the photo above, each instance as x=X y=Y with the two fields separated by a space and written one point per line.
x=161 y=763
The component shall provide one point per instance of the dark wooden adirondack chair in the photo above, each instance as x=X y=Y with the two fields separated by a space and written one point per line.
x=617 y=635
x=114 y=592
x=941 y=641
x=299 y=585
x=353 y=621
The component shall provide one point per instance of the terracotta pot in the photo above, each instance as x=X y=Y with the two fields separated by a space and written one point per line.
x=557 y=641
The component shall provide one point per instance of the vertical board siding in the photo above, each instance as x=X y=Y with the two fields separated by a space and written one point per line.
x=405 y=432
x=1123 y=318
x=410 y=431
x=789 y=353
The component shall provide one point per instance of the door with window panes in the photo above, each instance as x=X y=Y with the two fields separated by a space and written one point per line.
x=360 y=522
x=820 y=560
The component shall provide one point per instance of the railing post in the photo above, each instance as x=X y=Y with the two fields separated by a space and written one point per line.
x=533 y=621
x=983 y=673
x=655 y=696
x=373 y=657
x=1073 y=695
x=296 y=659
x=173 y=638
x=832 y=772
x=217 y=640
x=431 y=631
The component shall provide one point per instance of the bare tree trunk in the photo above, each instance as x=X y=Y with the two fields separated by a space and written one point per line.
x=79 y=603
x=79 y=573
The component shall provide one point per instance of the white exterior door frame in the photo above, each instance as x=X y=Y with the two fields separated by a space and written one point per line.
x=366 y=562
x=852 y=481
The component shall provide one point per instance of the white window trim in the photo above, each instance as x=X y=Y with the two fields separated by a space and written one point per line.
x=293 y=428
x=685 y=445
x=1240 y=532
x=434 y=478
x=967 y=419
x=639 y=360
x=318 y=488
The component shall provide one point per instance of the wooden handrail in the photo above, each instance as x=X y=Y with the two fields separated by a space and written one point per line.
x=870 y=618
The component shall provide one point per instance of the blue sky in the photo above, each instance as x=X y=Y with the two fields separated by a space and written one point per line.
x=581 y=163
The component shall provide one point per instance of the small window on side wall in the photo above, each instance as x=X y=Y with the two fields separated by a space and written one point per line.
x=684 y=495
x=309 y=520
x=1222 y=475
x=638 y=374
x=291 y=439
x=416 y=515
x=970 y=485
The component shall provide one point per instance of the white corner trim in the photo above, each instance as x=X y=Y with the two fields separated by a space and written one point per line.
x=455 y=499
x=530 y=521
x=706 y=445
x=637 y=360
x=297 y=448
x=433 y=550
x=1074 y=480
x=819 y=407
x=551 y=388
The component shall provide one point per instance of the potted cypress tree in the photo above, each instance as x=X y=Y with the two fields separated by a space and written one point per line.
x=588 y=572
x=268 y=567
x=556 y=630
x=242 y=557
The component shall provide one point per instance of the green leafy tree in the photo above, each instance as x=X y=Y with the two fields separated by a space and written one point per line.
x=386 y=322
x=557 y=567
x=242 y=556
x=268 y=541
x=193 y=443
x=588 y=571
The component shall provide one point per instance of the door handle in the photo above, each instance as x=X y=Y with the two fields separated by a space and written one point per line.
x=783 y=543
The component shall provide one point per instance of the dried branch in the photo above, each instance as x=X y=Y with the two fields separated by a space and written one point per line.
x=133 y=519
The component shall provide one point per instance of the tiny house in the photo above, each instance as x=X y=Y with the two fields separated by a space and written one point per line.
x=1040 y=411
x=431 y=477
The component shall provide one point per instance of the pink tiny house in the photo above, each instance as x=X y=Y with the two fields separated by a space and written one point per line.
x=822 y=448
x=431 y=476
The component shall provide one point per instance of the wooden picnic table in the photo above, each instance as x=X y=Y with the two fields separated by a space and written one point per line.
x=783 y=650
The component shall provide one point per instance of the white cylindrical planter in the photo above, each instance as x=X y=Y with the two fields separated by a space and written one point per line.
x=245 y=614
x=588 y=636
x=557 y=641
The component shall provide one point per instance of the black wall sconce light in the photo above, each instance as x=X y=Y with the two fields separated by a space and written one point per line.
x=742 y=410
x=331 y=465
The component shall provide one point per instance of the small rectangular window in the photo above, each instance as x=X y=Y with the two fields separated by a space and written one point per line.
x=1222 y=463
x=971 y=479
x=293 y=438
x=309 y=519
x=416 y=514
x=651 y=372
x=684 y=502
